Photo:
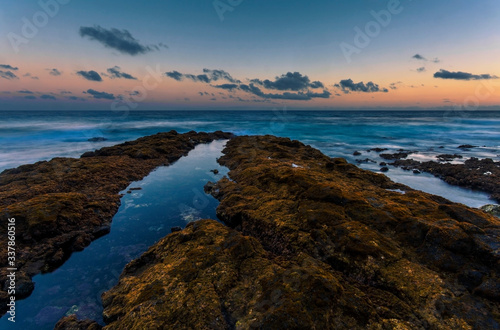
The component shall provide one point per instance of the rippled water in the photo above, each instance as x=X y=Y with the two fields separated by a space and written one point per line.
x=27 y=137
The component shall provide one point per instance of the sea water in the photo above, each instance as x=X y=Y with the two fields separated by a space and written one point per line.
x=173 y=195
x=27 y=137
x=170 y=196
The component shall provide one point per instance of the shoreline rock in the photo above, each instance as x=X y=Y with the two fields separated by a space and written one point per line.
x=320 y=245
x=61 y=205
x=477 y=174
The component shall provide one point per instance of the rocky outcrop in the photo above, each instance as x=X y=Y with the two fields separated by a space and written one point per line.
x=72 y=323
x=61 y=205
x=314 y=242
x=474 y=173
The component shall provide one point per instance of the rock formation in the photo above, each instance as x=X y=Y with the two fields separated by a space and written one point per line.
x=60 y=206
x=315 y=243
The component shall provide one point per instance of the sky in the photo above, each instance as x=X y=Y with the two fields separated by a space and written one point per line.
x=249 y=54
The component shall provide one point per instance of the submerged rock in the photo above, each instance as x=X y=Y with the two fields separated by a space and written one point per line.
x=97 y=139
x=61 y=205
x=325 y=245
x=492 y=209
x=474 y=173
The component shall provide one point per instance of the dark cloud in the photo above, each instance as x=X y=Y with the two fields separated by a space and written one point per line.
x=444 y=74
x=175 y=75
x=8 y=75
x=75 y=98
x=207 y=77
x=30 y=97
x=116 y=73
x=66 y=92
x=90 y=75
x=54 y=72
x=120 y=40
x=300 y=96
x=348 y=86
x=421 y=69
x=289 y=82
x=295 y=82
x=47 y=97
x=101 y=95
x=422 y=58
x=228 y=87
x=8 y=67
x=25 y=92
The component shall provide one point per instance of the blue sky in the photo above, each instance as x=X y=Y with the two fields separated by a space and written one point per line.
x=257 y=39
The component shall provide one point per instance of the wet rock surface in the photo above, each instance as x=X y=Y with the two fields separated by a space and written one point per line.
x=322 y=244
x=474 y=173
x=61 y=205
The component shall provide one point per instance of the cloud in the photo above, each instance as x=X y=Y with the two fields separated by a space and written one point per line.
x=54 y=72
x=116 y=73
x=295 y=82
x=121 y=40
x=30 y=97
x=444 y=74
x=300 y=96
x=175 y=75
x=289 y=82
x=75 y=98
x=8 y=67
x=25 y=92
x=421 y=69
x=207 y=77
x=422 y=58
x=348 y=86
x=228 y=87
x=90 y=75
x=8 y=75
x=101 y=95
x=47 y=97
x=29 y=75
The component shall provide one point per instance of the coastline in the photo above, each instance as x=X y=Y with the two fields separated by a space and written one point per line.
x=60 y=206
x=314 y=241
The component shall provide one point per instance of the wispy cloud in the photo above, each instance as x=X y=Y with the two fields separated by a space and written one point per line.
x=207 y=77
x=8 y=67
x=422 y=58
x=54 y=72
x=100 y=95
x=116 y=73
x=9 y=75
x=120 y=40
x=459 y=75
x=48 y=97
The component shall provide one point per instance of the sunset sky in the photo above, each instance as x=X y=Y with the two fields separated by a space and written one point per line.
x=249 y=54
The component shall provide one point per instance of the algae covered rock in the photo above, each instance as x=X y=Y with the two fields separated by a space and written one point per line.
x=314 y=242
x=60 y=206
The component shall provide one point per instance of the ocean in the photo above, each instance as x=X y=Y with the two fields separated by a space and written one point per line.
x=173 y=195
